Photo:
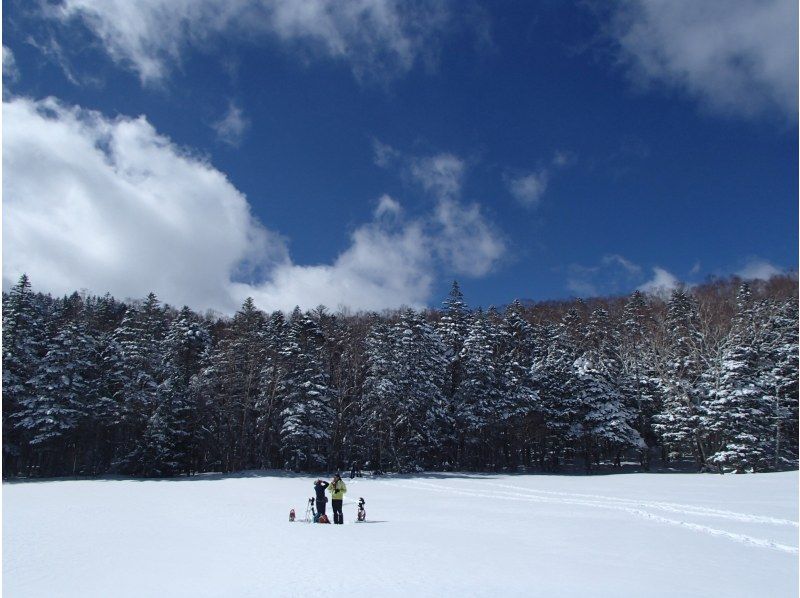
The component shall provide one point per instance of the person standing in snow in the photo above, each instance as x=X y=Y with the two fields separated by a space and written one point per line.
x=319 y=488
x=337 y=490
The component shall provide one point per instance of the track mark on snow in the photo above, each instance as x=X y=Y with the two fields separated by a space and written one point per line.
x=519 y=497
x=664 y=506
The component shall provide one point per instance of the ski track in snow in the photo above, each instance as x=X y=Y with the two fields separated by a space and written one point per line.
x=665 y=506
x=623 y=505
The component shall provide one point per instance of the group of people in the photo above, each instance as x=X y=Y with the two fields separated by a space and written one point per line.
x=337 y=489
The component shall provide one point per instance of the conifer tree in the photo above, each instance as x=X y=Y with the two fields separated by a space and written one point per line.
x=23 y=336
x=604 y=421
x=680 y=423
x=452 y=328
x=478 y=397
x=271 y=391
x=306 y=417
x=422 y=424
x=553 y=376
x=381 y=388
x=59 y=404
x=739 y=409
x=175 y=429
x=139 y=340
x=638 y=362
x=780 y=380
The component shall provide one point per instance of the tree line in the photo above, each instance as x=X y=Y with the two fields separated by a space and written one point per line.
x=93 y=385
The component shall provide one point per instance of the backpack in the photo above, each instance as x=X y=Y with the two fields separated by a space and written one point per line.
x=323 y=518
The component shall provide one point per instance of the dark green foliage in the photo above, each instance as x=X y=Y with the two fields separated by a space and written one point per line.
x=92 y=385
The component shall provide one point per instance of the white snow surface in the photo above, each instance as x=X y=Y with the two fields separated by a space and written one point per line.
x=426 y=535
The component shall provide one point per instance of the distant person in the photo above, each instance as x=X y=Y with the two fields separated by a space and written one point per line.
x=337 y=490
x=319 y=488
x=355 y=470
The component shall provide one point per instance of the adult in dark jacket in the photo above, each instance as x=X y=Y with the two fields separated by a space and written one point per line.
x=319 y=488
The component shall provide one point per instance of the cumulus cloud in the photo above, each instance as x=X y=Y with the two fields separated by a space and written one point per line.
x=662 y=283
x=112 y=205
x=232 y=126
x=384 y=155
x=467 y=241
x=374 y=37
x=529 y=188
x=758 y=269
x=9 y=64
x=440 y=175
x=736 y=58
x=388 y=207
x=383 y=267
x=615 y=274
x=464 y=238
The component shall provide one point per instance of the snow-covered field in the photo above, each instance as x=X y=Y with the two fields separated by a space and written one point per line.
x=427 y=535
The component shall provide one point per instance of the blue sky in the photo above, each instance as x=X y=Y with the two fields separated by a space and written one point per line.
x=367 y=153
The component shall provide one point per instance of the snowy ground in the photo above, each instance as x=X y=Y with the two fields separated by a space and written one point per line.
x=428 y=535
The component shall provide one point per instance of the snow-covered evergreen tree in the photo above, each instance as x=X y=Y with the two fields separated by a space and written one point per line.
x=139 y=341
x=422 y=423
x=681 y=423
x=307 y=418
x=517 y=348
x=23 y=336
x=740 y=408
x=452 y=328
x=603 y=419
x=62 y=391
x=271 y=391
x=161 y=452
x=93 y=385
x=639 y=380
x=175 y=429
x=380 y=393
x=478 y=397
x=779 y=378
x=553 y=375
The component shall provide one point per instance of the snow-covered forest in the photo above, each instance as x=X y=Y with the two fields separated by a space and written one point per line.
x=93 y=385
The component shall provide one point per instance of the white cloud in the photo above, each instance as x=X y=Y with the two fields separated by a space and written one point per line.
x=232 y=127
x=111 y=205
x=629 y=266
x=9 y=64
x=374 y=37
x=528 y=189
x=441 y=175
x=735 y=57
x=758 y=269
x=662 y=283
x=388 y=207
x=463 y=238
x=613 y=274
x=383 y=267
x=384 y=155
x=467 y=241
